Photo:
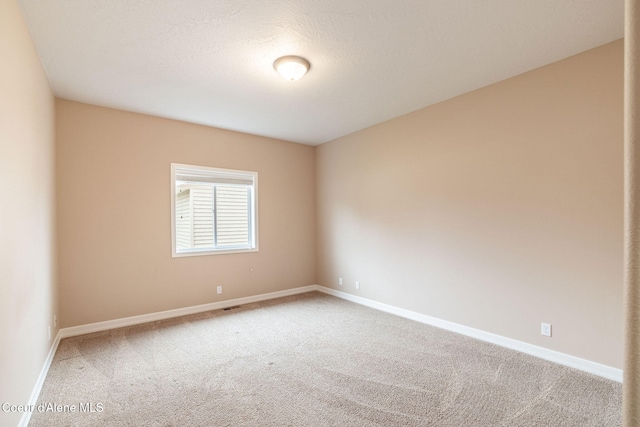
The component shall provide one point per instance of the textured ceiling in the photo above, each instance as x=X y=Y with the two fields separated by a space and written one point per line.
x=210 y=61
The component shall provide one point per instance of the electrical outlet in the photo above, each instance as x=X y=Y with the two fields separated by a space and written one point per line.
x=340 y=281
x=545 y=329
x=219 y=289
x=357 y=284
x=55 y=321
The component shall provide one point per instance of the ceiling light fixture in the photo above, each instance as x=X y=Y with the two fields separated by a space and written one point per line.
x=291 y=67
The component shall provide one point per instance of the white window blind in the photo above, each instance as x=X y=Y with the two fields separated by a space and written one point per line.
x=213 y=210
x=232 y=215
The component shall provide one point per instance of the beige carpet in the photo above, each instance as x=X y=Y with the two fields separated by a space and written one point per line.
x=312 y=360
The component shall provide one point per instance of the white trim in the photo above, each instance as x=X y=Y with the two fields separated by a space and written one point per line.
x=605 y=371
x=168 y=314
x=144 y=318
x=33 y=399
x=533 y=350
x=200 y=252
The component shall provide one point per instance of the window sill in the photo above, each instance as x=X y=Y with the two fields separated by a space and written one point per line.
x=214 y=252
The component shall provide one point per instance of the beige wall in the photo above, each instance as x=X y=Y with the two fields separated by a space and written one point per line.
x=631 y=385
x=498 y=209
x=113 y=189
x=27 y=263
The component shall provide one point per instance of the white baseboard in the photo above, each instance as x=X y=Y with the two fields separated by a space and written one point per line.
x=533 y=350
x=168 y=314
x=144 y=318
x=541 y=352
x=33 y=399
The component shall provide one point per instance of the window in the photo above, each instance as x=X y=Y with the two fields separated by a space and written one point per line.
x=212 y=210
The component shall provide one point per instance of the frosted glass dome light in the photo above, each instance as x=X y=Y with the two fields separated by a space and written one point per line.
x=291 y=67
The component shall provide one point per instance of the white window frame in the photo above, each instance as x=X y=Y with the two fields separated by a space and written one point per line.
x=253 y=208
